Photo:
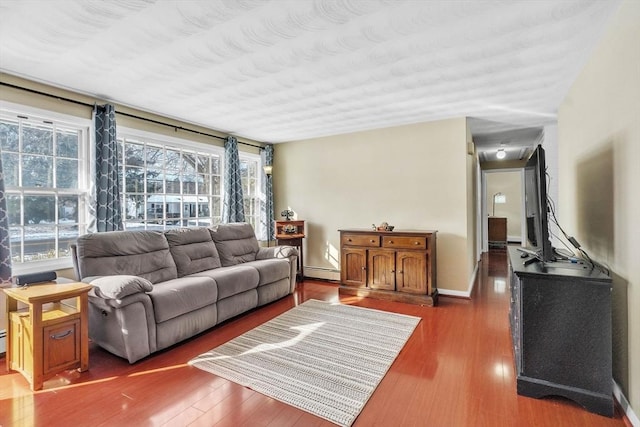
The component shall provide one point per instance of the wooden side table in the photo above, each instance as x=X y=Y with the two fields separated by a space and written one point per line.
x=292 y=238
x=48 y=336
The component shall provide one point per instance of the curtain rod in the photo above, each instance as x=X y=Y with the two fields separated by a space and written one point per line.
x=133 y=116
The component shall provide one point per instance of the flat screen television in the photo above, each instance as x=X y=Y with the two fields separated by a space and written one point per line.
x=536 y=209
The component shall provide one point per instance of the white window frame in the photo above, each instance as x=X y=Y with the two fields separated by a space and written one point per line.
x=154 y=139
x=258 y=196
x=12 y=111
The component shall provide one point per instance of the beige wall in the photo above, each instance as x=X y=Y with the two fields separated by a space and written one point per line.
x=510 y=184
x=413 y=177
x=599 y=167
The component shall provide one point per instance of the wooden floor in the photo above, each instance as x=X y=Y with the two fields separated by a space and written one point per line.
x=455 y=370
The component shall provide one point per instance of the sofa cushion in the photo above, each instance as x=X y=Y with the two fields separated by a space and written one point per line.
x=270 y=270
x=118 y=287
x=232 y=280
x=135 y=253
x=236 y=243
x=193 y=250
x=178 y=296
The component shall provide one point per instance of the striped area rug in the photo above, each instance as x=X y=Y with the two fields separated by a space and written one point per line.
x=324 y=358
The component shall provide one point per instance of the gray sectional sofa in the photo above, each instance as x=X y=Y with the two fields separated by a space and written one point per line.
x=153 y=289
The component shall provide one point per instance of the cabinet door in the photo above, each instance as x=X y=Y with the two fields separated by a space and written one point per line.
x=61 y=346
x=353 y=271
x=381 y=272
x=411 y=272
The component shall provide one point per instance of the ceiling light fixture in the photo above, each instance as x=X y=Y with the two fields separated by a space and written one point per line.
x=501 y=154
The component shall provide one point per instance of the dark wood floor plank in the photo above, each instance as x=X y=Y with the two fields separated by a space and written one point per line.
x=455 y=370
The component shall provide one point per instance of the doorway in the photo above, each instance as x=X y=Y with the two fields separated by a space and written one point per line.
x=502 y=196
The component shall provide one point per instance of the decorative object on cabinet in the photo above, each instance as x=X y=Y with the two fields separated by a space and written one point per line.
x=287 y=214
x=49 y=336
x=396 y=266
x=560 y=317
x=383 y=227
x=290 y=233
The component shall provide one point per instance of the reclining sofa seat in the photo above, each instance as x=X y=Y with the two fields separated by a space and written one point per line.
x=172 y=285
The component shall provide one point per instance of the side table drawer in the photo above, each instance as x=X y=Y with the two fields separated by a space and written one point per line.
x=61 y=346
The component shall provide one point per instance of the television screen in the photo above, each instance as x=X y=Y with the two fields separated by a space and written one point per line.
x=535 y=193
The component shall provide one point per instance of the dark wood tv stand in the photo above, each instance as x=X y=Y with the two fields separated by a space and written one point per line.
x=560 y=318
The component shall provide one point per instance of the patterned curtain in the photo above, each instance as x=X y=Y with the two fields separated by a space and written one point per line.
x=267 y=216
x=107 y=200
x=5 y=241
x=233 y=207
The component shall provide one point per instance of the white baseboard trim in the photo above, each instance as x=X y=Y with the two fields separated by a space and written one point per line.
x=321 y=273
x=624 y=404
x=462 y=294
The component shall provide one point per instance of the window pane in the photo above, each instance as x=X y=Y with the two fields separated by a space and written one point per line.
x=172 y=162
x=10 y=169
x=39 y=209
x=154 y=181
x=134 y=154
x=215 y=165
x=37 y=140
x=67 y=141
x=216 y=210
x=135 y=207
x=188 y=162
x=203 y=163
x=68 y=206
x=217 y=188
x=66 y=173
x=68 y=234
x=40 y=243
x=155 y=159
x=37 y=171
x=189 y=184
x=173 y=185
x=15 y=211
x=134 y=179
x=9 y=136
x=204 y=184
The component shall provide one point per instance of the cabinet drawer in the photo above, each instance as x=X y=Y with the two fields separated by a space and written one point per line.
x=370 y=240
x=61 y=346
x=404 y=242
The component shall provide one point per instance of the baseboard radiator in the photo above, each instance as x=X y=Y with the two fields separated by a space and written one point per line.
x=321 y=273
x=3 y=341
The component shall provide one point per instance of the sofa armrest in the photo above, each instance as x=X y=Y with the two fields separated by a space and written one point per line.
x=117 y=287
x=277 y=252
x=125 y=327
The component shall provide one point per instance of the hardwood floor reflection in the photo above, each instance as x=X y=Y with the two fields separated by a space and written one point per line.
x=455 y=370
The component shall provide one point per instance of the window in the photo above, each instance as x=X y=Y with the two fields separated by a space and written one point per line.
x=46 y=185
x=170 y=183
x=249 y=172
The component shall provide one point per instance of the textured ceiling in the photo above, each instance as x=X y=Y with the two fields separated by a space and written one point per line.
x=281 y=70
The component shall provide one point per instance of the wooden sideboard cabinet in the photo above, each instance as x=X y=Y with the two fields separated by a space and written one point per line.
x=560 y=318
x=392 y=265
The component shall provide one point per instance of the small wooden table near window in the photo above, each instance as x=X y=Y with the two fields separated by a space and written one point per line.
x=291 y=233
x=48 y=336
